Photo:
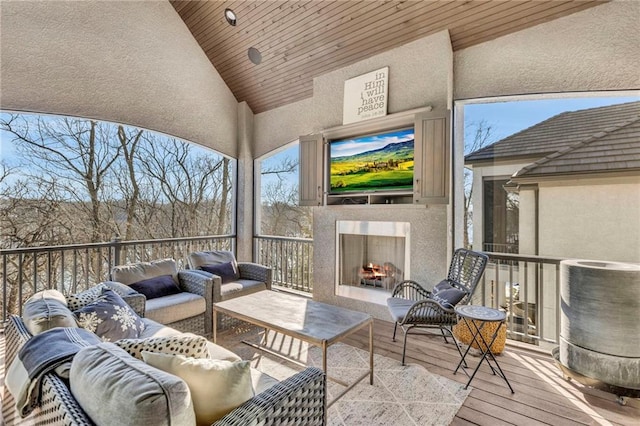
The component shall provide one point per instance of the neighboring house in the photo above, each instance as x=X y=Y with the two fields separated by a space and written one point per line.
x=566 y=187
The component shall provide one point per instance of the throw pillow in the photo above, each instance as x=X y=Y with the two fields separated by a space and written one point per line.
x=155 y=287
x=191 y=346
x=228 y=272
x=110 y=318
x=448 y=298
x=79 y=300
x=217 y=387
x=46 y=310
x=114 y=388
x=442 y=285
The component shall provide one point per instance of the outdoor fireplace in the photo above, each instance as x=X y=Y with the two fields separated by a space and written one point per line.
x=371 y=256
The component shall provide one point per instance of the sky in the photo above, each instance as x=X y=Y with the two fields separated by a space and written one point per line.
x=353 y=146
x=507 y=118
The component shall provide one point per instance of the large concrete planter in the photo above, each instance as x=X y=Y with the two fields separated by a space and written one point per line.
x=600 y=321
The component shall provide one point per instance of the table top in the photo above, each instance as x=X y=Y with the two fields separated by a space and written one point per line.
x=480 y=313
x=296 y=316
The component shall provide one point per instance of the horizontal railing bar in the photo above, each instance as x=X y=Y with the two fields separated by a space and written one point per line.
x=524 y=258
x=278 y=238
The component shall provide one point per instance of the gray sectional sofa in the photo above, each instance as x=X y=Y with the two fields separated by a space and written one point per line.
x=299 y=399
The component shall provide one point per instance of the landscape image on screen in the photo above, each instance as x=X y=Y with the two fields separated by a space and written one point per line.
x=381 y=162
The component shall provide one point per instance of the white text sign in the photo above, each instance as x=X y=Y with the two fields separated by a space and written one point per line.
x=366 y=96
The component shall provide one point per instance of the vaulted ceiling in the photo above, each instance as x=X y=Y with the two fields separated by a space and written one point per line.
x=299 y=40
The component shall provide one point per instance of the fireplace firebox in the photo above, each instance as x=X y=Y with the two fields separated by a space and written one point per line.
x=371 y=256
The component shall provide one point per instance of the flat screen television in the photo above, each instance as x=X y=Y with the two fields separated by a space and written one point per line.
x=380 y=162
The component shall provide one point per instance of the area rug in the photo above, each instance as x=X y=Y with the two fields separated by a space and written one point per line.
x=401 y=395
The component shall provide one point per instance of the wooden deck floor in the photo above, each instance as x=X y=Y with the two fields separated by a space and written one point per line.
x=541 y=395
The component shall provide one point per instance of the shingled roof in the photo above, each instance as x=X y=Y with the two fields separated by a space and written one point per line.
x=569 y=131
x=615 y=149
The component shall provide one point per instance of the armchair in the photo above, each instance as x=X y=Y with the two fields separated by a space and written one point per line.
x=230 y=277
x=179 y=299
x=413 y=307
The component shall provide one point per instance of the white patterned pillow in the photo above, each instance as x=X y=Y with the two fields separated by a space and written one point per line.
x=191 y=346
x=82 y=299
x=110 y=318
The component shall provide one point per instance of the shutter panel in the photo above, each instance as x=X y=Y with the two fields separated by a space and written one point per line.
x=311 y=167
x=432 y=158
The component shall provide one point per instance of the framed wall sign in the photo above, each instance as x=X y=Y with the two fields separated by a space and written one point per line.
x=366 y=96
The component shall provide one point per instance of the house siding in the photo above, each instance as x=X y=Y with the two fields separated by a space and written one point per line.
x=597 y=220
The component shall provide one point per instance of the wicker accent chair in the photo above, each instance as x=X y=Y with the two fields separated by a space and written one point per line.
x=412 y=307
x=190 y=310
x=243 y=278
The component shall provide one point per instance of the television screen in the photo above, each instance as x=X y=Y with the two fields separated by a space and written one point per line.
x=380 y=162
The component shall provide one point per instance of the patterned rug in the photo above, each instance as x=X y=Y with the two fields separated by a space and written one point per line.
x=401 y=395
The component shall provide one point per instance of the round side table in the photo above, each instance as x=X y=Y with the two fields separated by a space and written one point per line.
x=475 y=318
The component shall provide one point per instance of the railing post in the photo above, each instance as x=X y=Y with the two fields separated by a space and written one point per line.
x=117 y=247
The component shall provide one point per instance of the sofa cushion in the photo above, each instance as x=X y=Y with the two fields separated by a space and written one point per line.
x=228 y=271
x=133 y=273
x=46 y=310
x=175 y=307
x=217 y=387
x=155 y=287
x=110 y=317
x=154 y=329
x=114 y=388
x=187 y=345
x=232 y=289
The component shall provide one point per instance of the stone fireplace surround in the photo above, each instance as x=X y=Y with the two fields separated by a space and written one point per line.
x=427 y=248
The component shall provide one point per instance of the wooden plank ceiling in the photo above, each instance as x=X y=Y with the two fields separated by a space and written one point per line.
x=302 y=39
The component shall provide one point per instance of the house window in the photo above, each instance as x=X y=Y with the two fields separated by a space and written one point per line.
x=501 y=210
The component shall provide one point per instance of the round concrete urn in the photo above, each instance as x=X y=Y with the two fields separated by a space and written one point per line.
x=600 y=321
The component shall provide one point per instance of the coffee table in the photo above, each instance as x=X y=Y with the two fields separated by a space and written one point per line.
x=316 y=323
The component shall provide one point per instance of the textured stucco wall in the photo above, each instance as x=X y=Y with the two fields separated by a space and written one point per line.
x=244 y=190
x=596 y=49
x=128 y=62
x=591 y=220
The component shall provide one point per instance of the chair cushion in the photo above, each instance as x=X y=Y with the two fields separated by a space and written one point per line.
x=228 y=271
x=152 y=288
x=135 y=272
x=241 y=287
x=114 y=388
x=398 y=307
x=449 y=297
x=217 y=387
x=110 y=317
x=46 y=310
x=175 y=307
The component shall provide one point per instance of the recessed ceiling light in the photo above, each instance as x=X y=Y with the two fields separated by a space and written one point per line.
x=230 y=16
x=254 y=55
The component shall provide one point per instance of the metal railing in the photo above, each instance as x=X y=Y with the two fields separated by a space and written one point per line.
x=527 y=288
x=74 y=268
x=290 y=258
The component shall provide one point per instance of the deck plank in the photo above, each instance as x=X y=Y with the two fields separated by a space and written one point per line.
x=542 y=396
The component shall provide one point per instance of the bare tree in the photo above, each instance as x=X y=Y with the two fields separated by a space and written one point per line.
x=73 y=156
x=480 y=135
x=188 y=183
